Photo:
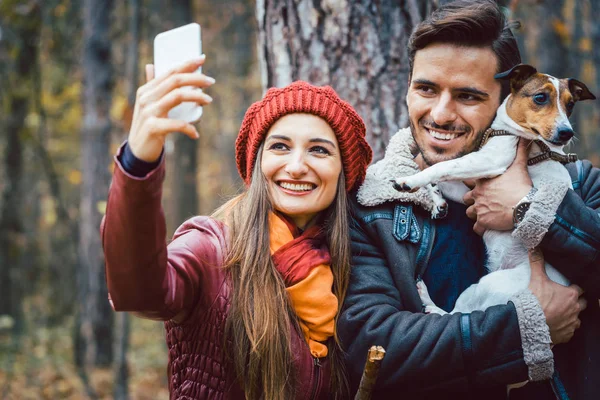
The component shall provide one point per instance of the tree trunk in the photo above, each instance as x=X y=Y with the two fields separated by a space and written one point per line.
x=96 y=315
x=13 y=241
x=357 y=47
x=120 y=367
x=184 y=159
x=231 y=25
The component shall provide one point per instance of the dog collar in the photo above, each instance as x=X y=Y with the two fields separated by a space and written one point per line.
x=547 y=153
x=552 y=155
x=490 y=133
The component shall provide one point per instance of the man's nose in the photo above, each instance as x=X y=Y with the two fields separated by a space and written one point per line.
x=296 y=165
x=443 y=112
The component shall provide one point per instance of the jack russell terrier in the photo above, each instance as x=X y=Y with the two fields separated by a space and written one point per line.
x=537 y=108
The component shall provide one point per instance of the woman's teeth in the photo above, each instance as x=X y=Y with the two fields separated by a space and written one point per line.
x=298 y=187
x=442 y=136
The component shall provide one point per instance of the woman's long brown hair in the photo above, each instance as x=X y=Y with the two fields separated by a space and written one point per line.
x=261 y=318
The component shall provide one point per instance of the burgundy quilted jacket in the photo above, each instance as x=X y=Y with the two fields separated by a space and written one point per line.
x=153 y=280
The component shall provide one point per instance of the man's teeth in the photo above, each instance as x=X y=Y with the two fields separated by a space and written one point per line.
x=300 y=187
x=442 y=136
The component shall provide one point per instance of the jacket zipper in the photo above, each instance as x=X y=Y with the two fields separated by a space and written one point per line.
x=316 y=378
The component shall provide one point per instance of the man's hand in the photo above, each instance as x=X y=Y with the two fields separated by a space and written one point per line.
x=561 y=304
x=491 y=201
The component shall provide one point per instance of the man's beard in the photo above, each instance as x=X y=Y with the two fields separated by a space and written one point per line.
x=469 y=148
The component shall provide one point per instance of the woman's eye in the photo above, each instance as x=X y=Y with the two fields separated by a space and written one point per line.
x=278 y=146
x=320 y=150
x=540 y=99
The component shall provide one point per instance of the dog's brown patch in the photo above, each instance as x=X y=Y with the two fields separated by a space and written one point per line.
x=537 y=119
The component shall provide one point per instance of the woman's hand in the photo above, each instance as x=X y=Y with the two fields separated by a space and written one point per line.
x=150 y=124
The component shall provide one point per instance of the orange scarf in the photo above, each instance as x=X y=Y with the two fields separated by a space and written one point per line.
x=303 y=261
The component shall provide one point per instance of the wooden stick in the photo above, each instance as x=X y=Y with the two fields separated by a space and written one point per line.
x=369 y=376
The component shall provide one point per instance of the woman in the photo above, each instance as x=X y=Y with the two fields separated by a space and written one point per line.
x=249 y=296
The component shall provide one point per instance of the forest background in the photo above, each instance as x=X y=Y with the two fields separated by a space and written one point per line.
x=69 y=71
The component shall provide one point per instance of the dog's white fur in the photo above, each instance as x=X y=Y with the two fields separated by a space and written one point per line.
x=508 y=261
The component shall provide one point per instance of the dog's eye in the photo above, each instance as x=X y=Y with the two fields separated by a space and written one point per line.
x=570 y=106
x=540 y=98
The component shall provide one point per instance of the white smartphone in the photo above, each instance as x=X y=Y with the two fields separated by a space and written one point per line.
x=171 y=49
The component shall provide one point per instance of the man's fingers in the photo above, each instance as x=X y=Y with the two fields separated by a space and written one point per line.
x=582 y=304
x=480 y=230
x=536 y=261
x=470 y=183
x=149 y=72
x=471 y=213
x=579 y=289
x=522 y=151
x=468 y=198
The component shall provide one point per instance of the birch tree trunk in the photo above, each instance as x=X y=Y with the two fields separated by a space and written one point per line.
x=95 y=313
x=357 y=47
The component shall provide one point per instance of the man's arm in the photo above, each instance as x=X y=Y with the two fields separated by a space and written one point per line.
x=572 y=243
x=433 y=352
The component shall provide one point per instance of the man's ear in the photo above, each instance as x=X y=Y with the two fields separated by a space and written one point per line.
x=517 y=75
x=579 y=91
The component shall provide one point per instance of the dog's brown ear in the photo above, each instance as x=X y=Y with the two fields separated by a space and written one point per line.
x=517 y=75
x=579 y=91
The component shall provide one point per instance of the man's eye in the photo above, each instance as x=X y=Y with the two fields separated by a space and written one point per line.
x=320 y=150
x=468 y=97
x=278 y=146
x=425 y=89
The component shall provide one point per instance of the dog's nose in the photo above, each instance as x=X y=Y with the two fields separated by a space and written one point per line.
x=565 y=134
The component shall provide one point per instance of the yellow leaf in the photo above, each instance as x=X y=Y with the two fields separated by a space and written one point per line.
x=74 y=177
x=588 y=71
x=585 y=45
x=118 y=107
x=101 y=207
x=561 y=29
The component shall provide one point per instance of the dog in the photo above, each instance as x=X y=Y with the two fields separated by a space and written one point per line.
x=537 y=108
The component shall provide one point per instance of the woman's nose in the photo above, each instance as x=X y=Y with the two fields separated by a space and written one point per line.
x=296 y=164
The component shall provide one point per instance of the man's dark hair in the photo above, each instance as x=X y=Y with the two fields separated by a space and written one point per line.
x=471 y=23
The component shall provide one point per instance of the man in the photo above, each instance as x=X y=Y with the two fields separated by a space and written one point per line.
x=452 y=99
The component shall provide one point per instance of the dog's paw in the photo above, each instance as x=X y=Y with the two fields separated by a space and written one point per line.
x=400 y=185
x=439 y=211
x=433 y=310
x=404 y=185
x=429 y=306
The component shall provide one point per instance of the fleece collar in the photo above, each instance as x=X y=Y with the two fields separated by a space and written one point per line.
x=398 y=161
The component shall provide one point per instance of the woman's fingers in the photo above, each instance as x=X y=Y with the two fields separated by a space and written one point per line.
x=186 y=67
x=149 y=72
x=164 y=126
x=176 y=97
x=180 y=80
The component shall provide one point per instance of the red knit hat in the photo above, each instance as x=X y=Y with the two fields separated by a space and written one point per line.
x=302 y=97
